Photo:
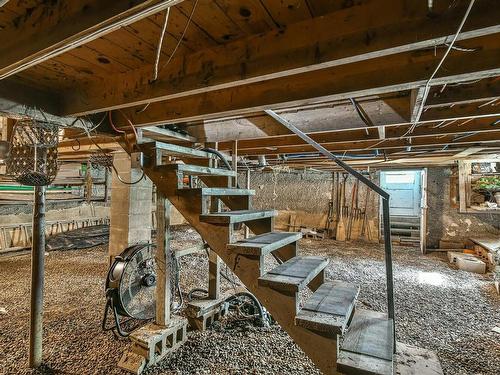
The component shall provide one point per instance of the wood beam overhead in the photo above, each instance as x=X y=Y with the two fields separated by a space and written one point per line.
x=400 y=26
x=55 y=27
x=393 y=132
x=261 y=126
x=482 y=138
x=374 y=77
x=481 y=91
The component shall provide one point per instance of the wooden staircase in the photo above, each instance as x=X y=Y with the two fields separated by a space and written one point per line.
x=337 y=337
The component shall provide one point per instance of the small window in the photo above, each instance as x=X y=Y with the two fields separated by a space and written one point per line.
x=400 y=177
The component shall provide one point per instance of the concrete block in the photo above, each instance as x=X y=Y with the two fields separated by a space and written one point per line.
x=471 y=265
x=454 y=255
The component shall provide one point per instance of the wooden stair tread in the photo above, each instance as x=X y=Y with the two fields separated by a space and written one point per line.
x=264 y=243
x=156 y=131
x=368 y=345
x=232 y=217
x=176 y=150
x=294 y=274
x=196 y=170
x=217 y=191
x=329 y=308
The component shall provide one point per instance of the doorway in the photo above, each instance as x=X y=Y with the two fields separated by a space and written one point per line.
x=406 y=205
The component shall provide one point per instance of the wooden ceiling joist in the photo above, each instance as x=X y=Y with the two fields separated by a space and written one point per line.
x=330 y=119
x=55 y=27
x=491 y=136
x=398 y=28
x=374 y=77
x=482 y=91
x=392 y=132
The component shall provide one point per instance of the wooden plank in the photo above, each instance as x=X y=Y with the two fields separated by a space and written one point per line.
x=371 y=333
x=294 y=274
x=264 y=243
x=268 y=56
x=155 y=130
x=195 y=170
x=238 y=216
x=329 y=309
x=163 y=260
x=217 y=191
x=67 y=28
x=177 y=150
x=374 y=77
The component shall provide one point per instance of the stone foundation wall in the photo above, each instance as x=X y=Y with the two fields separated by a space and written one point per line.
x=445 y=221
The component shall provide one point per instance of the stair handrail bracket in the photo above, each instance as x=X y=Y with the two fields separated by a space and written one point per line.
x=385 y=207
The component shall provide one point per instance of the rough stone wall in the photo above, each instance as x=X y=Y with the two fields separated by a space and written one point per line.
x=446 y=222
x=304 y=194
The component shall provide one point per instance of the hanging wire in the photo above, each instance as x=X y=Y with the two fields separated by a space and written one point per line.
x=160 y=44
x=427 y=86
x=156 y=70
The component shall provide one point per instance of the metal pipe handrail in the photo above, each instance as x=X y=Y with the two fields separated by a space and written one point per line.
x=385 y=206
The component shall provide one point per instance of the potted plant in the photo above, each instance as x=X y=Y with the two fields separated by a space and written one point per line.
x=490 y=186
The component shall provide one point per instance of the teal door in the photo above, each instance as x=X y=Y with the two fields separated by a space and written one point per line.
x=405 y=188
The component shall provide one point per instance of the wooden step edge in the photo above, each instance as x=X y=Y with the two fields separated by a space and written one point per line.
x=262 y=249
x=290 y=283
x=196 y=170
x=156 y=130
x=356 y=364
x=241 y=217
x=368 y=345
x=331 y=323
x=217 y=192
x=172 y=149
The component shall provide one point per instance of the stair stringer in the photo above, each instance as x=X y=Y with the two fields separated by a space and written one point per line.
x=321 y=350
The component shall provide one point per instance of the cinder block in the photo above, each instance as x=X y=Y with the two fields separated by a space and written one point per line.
x=471 y=265
x=454 y=255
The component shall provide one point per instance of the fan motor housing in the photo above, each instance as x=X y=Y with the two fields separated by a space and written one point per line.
x=131 y=282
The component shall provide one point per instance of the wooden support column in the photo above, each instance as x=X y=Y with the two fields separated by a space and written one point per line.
x=37 y=278
x=234 y=160
x=214 y=275
x=163 y=260
x=247 y=182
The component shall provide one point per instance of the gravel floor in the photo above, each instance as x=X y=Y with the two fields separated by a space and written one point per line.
x=449 y=311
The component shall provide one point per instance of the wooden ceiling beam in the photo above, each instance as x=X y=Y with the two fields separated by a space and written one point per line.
x=259 y=127
x=484 y=90
x=302 y=47
x=351 y=135
x=55 y=27
x=482 y=138
x=374 y=77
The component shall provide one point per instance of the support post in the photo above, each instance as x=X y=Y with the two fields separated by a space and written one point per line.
x=234 y=162
x=214 y=275
x=163 y=260
x=37 y=278
x=247 y=182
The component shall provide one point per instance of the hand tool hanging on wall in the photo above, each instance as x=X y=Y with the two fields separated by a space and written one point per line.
x=352 y=211
x=329 y=219
x=364 y=229
x=341 y=226
x=356 y=225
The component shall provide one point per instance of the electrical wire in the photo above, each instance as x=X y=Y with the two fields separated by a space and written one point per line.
x=427 y=86
x=160 y=44
x=182 y=35
x=156 y=71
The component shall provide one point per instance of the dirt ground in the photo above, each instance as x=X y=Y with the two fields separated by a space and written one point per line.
x=437 y=307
